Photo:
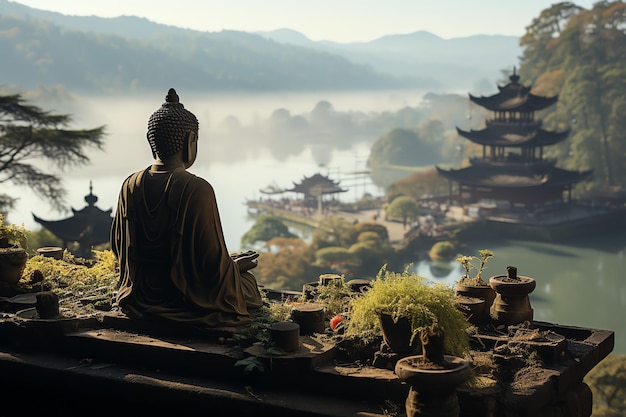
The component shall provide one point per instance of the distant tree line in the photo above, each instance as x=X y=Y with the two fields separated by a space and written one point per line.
x=37 y=52
x=577 y=54
x=581 y=55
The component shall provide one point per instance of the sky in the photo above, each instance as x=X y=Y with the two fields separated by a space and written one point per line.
x=335 y=20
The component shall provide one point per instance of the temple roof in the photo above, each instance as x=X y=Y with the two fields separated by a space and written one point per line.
x=89 y=225
x=513 y=136
x=514 y=97
x=272 y=188
x=514 y=176
x=317 y=185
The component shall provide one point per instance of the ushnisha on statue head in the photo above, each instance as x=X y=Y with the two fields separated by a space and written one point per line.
x=171 y=127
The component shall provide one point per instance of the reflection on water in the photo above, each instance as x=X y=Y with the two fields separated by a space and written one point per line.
x=580 y=283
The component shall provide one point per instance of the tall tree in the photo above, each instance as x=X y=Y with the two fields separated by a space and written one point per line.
x=580 y=53
x=28 y=137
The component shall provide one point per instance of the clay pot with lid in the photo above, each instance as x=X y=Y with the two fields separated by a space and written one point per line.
x=512 y=303
x=433 y=378
x=12 y=262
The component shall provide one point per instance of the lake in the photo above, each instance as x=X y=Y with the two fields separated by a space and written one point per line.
x=580 y=282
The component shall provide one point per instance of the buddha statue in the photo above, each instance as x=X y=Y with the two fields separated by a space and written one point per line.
x=168 y=238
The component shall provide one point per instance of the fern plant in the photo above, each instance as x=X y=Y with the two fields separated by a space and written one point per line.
x=427 y=305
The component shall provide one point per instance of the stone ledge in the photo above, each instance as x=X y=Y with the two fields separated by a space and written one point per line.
x=115 y=360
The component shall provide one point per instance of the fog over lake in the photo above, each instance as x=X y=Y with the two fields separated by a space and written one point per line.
x=580 y=282
x=237 y=165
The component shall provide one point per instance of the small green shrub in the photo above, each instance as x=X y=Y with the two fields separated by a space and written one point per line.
x=427 y=305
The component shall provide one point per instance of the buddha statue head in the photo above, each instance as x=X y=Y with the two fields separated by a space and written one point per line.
x=171 y=128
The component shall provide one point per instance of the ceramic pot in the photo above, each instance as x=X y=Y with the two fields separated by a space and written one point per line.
x=51 y=252
x=310 y=290
x=47 y=304
x=433 y=388
x=359 y=285
x=397 y=334
x=12 y=263
x=473 y=308
x=512 y=304
x=478 y=291
x=327 y=279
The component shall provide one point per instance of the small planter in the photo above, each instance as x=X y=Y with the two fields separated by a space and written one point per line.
x=286 y=335
x=12 y=263
x=310 y=290
x=328 y=279
x=512 y=304
x=433 y=386
x=51 y=252
x=486 y=292
x=397 y=334
x=473 y=308
x=310 y=317
x=359 y=285
x=47 y=304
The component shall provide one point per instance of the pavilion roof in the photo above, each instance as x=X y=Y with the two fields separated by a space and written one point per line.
x=316 y=185
x=514 y=176
x=513 y=136
x=90 y=224
x=514 y=97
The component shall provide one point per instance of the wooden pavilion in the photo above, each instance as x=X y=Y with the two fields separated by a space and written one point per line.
x=314 y=188
x=85 y=229
x=512 y=169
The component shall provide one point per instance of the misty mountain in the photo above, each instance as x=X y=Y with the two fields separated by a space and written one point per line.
x=453 y=64
x=133 y=54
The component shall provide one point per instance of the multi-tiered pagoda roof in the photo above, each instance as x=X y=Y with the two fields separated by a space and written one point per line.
x=512 y=166
x=514 y=97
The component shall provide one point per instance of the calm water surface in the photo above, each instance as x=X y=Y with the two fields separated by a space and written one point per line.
x=579 y=283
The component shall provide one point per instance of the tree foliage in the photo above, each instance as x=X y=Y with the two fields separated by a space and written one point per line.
x=30 y=135
x=427 y=182
x=608 y=384
x=288 y=267
x=333 y=231
x=265 y=228
x=580 y=54
x=403 y=207
x=407 y=147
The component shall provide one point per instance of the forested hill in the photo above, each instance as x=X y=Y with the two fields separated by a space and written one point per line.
x=93 y=54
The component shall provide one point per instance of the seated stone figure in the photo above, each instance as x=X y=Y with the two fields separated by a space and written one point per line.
x=168 y=237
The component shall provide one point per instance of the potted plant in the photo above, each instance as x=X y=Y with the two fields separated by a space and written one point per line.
x=11 y=234
x=475 y=286
x=433 y=342
x=411 y=303
x=13 y=256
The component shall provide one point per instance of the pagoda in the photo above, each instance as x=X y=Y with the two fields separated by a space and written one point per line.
x=316 y=185
x=314 y=188
x=85 y=229
x=512 y=171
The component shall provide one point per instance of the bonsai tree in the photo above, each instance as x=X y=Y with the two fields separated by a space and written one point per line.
x=429 y=307
x=11 y=234
x=468 y=264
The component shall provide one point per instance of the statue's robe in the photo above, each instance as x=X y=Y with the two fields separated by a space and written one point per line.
x=173 y=259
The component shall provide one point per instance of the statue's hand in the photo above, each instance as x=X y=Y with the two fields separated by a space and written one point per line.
x=246 y=260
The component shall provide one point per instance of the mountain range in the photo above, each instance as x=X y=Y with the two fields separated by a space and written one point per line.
x=132 y=54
